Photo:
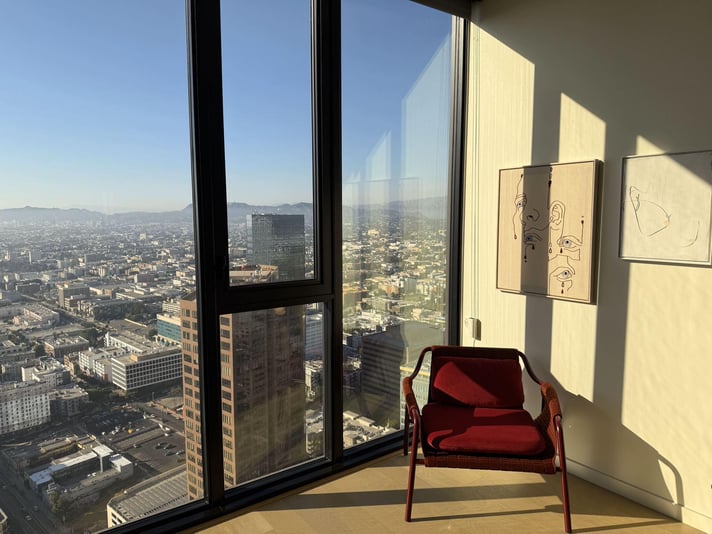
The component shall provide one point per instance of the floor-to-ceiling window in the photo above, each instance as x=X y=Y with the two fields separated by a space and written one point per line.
x=397 y=114
x=167 y=350
x=96 y=253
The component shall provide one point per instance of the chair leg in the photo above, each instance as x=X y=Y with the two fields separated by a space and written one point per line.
x=411 y=472
x=405 y=435
x=564 y=478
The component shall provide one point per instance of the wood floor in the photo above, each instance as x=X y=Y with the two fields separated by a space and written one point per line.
x=371 y=500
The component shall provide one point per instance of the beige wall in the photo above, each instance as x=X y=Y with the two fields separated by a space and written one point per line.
x=556 y=81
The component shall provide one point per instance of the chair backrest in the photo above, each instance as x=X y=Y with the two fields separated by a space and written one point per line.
x=476 y=376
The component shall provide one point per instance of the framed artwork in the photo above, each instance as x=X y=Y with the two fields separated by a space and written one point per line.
x=547 y=230
x=666 y=208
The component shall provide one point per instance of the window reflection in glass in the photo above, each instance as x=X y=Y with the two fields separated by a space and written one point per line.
x=396 y=144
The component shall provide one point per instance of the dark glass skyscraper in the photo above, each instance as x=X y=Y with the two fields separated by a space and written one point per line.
x=275 y=239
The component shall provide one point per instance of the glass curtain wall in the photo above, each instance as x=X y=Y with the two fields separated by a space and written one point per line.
x=271 y=358
x=396 y=86
x=102 y=370
x=96 y=256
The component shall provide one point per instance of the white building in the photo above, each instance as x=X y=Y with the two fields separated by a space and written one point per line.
x=36 y=315
x=23 y=405
x=139 y=370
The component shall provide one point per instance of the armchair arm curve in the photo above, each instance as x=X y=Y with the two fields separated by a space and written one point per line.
x=411 y=404
x=550 y=417
x=412 y=415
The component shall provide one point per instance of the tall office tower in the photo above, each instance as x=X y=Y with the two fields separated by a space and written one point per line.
x=382 y=356
x=263 y=396
x=191 y=396
x=278 y=240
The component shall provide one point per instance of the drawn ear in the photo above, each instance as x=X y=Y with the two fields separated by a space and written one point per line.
x=556 y=212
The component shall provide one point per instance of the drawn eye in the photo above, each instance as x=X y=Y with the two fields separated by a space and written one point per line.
x=520 y=202
x=563 y=274
x=532 y=239
x=569 y=242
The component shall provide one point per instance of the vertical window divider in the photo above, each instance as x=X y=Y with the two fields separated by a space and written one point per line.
x=210 y=224
x=326 y=83
x=458 y=125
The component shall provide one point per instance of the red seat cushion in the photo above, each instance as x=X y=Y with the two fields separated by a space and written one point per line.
x=464 y=429
x=485 y=382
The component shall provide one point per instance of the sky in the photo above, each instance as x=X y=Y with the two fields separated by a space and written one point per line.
x=94 y=101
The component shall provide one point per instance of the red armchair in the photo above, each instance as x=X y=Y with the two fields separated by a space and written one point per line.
x=474 y=417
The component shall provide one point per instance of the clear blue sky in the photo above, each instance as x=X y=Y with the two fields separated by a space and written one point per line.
x=94 y=108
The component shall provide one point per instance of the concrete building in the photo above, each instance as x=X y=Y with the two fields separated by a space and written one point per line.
x=69 y=294
x=135 y=371
x=36 y=316
x=61 y=346
x=66 y=402
x=23 y=405
x=151 y=496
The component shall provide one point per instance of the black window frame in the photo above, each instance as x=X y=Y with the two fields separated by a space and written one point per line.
x=215 y=296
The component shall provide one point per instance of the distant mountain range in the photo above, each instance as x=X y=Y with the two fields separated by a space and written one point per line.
x=237 y=211
x=433 y=208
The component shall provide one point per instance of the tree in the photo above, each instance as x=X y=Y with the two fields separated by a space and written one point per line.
x=58 y=505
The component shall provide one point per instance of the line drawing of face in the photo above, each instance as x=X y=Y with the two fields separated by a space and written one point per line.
x=565 y=242
x=529 y=221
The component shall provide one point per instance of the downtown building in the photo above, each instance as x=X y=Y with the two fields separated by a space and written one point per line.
x=263 y=393
x=23 y=405
x=275 y=239
x=262 y=356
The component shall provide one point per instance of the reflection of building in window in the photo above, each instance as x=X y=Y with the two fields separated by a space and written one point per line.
x=262 y=389
x=278 y=240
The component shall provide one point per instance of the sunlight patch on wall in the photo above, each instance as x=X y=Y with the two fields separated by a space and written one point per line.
x=582 y=136
x=504 y=138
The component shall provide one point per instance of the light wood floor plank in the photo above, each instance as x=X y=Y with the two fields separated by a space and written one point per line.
x=371 y=500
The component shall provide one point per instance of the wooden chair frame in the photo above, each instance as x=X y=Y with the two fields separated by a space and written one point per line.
x=549 y=423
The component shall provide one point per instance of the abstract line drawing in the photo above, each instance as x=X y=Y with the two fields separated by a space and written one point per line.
x=546 y=230
x=666 y=207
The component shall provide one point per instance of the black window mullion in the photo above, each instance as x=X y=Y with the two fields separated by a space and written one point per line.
x=326 y=83
x=458 y=125
x=209 y=192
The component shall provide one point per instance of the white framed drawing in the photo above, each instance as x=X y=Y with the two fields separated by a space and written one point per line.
x=548 y=229
x=666 y=208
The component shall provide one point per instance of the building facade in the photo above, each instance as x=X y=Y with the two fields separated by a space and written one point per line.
x=263 y=393
x=23 y=405
x=278 y=240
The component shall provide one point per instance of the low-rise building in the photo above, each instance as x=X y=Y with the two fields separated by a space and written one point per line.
x=139 y=370
x=152 y=496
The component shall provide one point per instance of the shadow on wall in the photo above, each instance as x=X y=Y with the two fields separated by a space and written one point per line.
x=585 y=51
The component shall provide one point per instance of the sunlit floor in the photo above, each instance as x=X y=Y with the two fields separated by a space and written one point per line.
x=371 y=500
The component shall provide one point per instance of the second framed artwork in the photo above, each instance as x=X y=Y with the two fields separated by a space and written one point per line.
x=666 y=208
x=547 y=230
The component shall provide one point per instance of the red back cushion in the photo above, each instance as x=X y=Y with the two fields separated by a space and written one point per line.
x=482 y=382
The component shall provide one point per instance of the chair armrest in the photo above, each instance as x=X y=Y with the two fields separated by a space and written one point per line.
x=550 y=410
x=411 y=404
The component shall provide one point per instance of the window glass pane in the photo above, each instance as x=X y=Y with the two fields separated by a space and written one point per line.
x=272 y=389
x=268 y=140
x=396 y=143
x=96 y=252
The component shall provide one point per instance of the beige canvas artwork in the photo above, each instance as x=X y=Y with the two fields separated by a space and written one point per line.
x=547 y=230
